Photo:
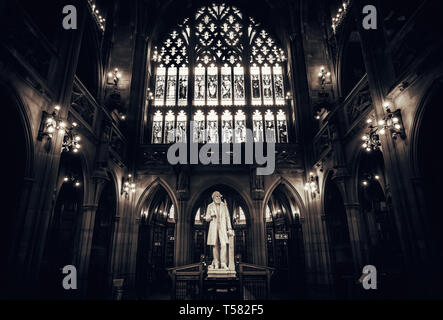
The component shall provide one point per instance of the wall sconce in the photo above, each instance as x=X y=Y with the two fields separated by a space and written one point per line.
x=150 y=95
x=51 y=124
x=144 y=214
x=155 y=56
x=369 y=177
x=114 y=77
x=392 y=122
x=324 y=77
x=71 y=179
x=128 y=186
x=341 y=13
x=71 y=140
x=312 y=185
x=97 y=17
x=288 y=95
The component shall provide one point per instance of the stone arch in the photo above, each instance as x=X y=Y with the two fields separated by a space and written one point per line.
x=348 y=30
x=19 y=165
x=226 y=181
x=291 y=189
x=235 y=200
x=149 y=192
x=156 y=247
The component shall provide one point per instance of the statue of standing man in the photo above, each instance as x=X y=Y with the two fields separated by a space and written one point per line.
x=220 y=230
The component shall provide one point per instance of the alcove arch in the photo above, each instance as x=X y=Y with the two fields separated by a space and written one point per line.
x=284 y=243
x=340 y=249
x=240 y=220
x=63 y=230
x=156 y=242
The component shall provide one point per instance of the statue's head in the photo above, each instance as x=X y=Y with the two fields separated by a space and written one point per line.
x=216 y=197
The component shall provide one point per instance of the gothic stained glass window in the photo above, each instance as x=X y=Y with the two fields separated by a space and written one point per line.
x=157 y=125
x=169 y=127
x=278 y=86
x=160 y=81
x=171 y=86
x=212 y=85
x=183 y=86
x=282 y=127
x=181 y=127
x=227 y=133
x=270 y=127
x=240 y=127
x=199 y=90
x=212 y=127
x=199 y=135
x=257 y=122
x=226 y=85
x=235 y=62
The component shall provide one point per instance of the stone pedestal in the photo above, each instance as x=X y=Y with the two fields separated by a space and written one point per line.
x=222 y=288
x=221 y=273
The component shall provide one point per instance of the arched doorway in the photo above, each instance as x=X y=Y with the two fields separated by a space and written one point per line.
x=284 y=240
x=375 y=206
x=156 y=243
x=430 y=171
x=100 y=273
x=63 y=228
x=239 y=213
x=15 y=171
x=339 y=242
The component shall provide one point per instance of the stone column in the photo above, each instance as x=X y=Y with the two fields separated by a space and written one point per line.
x=86 y=231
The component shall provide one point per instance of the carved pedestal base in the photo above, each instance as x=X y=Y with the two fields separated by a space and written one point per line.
x=221 y=273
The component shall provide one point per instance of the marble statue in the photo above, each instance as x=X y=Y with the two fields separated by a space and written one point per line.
x=220 y=235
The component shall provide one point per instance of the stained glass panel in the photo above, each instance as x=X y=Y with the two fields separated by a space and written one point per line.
x=199 y=87
x=160 y=81
x=181 y=127
x=240 y=127
x=169 y=127
x=157 y=125
x=226 y=86
x=199 y=132
x=267 y=85
x=212 y=127
x=172 y=86
x=227 y=134
x=239 y=85
x=270 y=127
x=279 y=88
x=255 y=86
x=183 y=86
x=282 y=127
x=212 y=86
x=257 y=122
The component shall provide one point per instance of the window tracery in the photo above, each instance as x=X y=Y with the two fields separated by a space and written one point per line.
x=236 y=64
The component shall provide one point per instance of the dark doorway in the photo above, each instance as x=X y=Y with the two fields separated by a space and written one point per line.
x=156 y=244
x=99 y=273
x=284 y=240
x=339 y=241
x=15 y=167
x=431 y=170
x=63 y=228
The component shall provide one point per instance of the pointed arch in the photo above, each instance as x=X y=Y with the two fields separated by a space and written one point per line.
x=292 y=191
x=150 y=191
